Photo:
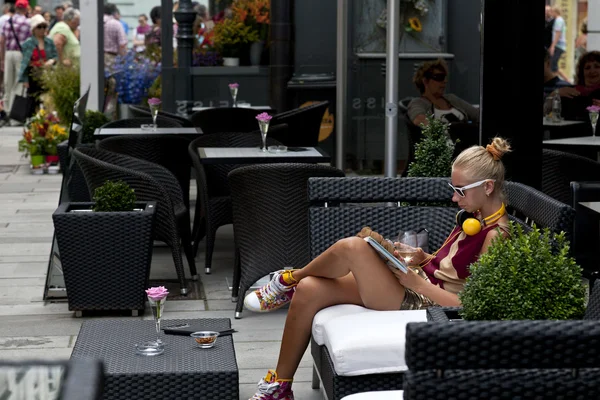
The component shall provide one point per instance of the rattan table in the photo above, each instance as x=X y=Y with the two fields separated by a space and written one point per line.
x=183 y=371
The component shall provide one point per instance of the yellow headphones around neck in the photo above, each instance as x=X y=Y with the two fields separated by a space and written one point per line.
x=472 y=226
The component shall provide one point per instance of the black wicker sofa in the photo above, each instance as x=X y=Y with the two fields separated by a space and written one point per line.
x=340 y=207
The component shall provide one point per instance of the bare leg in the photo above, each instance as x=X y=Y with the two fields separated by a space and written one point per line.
x=356 y=276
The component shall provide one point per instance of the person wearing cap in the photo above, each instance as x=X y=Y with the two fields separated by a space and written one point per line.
x=38 y=52
x=14 y=33
x=65 y=39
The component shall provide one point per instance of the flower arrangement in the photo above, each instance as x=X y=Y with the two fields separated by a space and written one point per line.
x=154 y=102
x=61 y=84
x=593 y=109
x=42 y=134
x=157 y=293
x=231 y=34
x=134 y=75
x=254 y=13
x=264 y=117
x=420 y=6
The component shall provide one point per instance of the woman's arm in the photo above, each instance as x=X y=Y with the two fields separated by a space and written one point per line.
x=59 y=42
x=413 y=281
x=460 y=104
x=27 y=52
x=417 y=111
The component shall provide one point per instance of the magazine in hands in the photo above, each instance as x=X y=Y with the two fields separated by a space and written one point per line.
x=388 y=257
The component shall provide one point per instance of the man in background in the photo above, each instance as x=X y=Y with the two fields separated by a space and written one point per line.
x=115 y=40
x=58 y=12
x=559 y=41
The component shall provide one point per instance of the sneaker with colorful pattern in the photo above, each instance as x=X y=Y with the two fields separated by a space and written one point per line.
x=272 y=388
x=275 y=294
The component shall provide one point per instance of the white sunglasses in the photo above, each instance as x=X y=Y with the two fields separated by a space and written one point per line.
x=461 y=190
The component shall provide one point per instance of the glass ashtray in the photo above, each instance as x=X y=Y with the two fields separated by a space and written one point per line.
x=205 y=339
x=277 y=149
x=150 y=348
x=148 y=127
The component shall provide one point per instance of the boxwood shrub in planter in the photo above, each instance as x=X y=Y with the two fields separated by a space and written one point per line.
x=106 y=249
x=527 y=276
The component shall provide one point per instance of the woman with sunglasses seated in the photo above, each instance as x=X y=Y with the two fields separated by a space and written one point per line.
x=351 y=272
x=431 y=79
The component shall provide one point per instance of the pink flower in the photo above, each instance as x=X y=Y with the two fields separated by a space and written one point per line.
x=157 y=293
x=593 y=109
x=234 y=85
x=154 y=101
x=264 y=117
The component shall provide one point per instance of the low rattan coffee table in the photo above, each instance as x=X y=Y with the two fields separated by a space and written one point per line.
x=182 y=372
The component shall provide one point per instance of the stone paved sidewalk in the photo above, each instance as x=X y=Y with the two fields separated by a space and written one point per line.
x=31 y=328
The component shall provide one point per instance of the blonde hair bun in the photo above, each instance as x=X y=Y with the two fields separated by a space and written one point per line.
x=498 y=148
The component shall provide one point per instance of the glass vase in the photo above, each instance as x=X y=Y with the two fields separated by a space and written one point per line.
x=154 y=112
x=594 y=121
x=264 y=128
x=234 y=92
x=157 y=307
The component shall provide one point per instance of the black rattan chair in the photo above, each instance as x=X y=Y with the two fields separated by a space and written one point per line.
x=166 y=150
x=559 y=169
x=213 y=201
x=162 y=122
x=42 y=379
x=226 y=119
x=270 y=208
x=141 y=112
x=151 y=182
x=502 y=360
x=304 y=125
x=586 y=235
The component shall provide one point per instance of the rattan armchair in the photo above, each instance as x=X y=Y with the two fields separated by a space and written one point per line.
x=143 y=112
x=270 y=208
x=304 y=125
x=226 y=119
x=162 y=122
x=213 y=201
x=166 y=150
x=151 y=182
x=559 y=169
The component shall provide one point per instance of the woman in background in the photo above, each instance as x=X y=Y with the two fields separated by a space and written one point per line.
x=139 y=40
x=431 y=80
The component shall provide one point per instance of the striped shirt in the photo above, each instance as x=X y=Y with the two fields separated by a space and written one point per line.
x=22 y=29
x=449 y=268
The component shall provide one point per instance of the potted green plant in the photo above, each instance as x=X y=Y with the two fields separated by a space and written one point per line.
x=106 y=249
x=526 y=276
x=92 y=121
x=230 y=37
x=433 y=153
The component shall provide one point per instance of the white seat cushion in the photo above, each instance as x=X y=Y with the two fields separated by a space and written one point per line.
x=329 y=313
x=369 y=342
x=383 y=395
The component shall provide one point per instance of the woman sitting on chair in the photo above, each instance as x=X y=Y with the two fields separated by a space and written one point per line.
x=431 y=79
x=351 y=272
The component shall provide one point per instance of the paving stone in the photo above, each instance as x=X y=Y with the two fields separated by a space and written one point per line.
x=35 y=342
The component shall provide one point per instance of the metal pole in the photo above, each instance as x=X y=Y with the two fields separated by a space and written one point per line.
x=341 y=82
x=391 y=88
x=92 y=60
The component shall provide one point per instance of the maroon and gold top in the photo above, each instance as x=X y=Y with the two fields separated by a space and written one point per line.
x=450 y=267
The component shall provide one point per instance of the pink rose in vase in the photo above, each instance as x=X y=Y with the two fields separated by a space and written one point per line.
x=157 y=296
x=263 y=123
x=233 y=89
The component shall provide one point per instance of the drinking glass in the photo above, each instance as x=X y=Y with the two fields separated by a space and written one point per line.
x=594 y=121
x=406 y=245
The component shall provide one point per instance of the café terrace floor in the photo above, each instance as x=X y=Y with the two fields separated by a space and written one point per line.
x=31 y=328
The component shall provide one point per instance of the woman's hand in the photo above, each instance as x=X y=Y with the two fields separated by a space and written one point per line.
x=418 y=255
x=49 y=63
x=568 y=92
x=67 y=63
x=410 y=280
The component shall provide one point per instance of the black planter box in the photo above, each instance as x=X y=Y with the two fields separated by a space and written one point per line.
x=105 y=256
x=443 y=314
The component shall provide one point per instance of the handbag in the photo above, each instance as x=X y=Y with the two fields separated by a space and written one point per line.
x=22 y=107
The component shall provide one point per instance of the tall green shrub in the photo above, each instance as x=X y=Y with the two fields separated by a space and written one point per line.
x=92 y=121
x=526 y=276
x=433 y=154
x=62 y=85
